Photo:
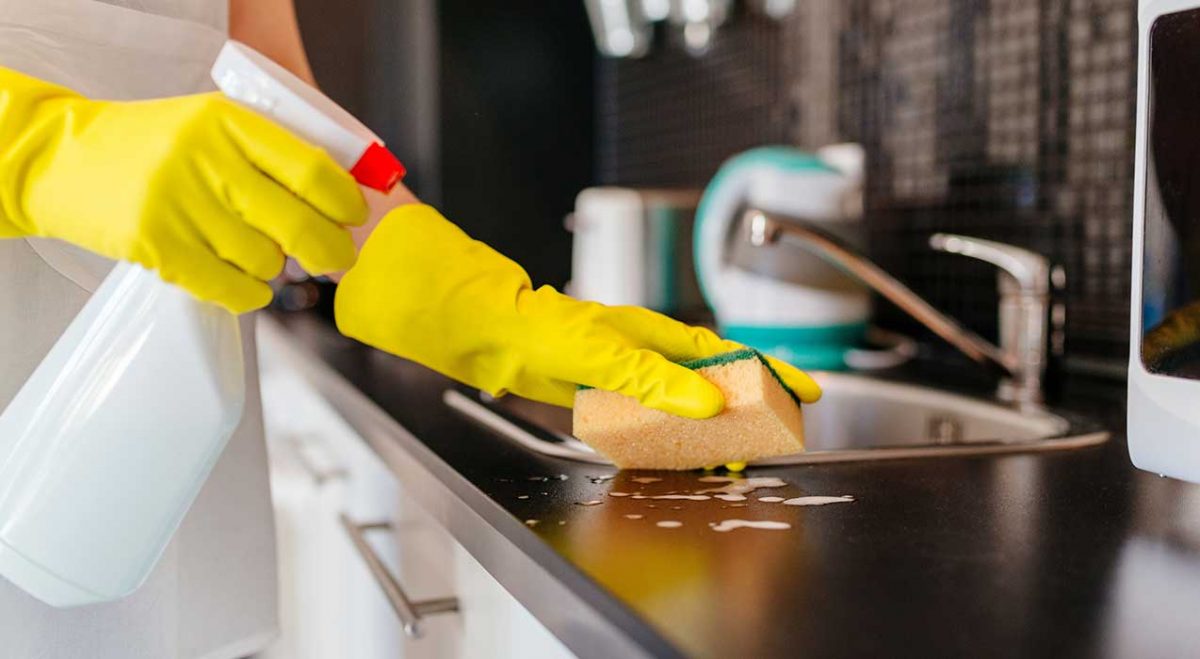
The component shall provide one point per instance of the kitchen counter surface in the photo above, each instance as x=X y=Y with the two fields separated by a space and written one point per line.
x=1064 y=554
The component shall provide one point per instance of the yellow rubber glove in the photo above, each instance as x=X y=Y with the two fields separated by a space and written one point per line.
x=203 y=191
x=424 y=290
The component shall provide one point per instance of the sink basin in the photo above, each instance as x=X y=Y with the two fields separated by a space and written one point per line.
x=857 y=418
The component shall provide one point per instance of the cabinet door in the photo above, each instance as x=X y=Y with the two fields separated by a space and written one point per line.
x=308 y=490
x=312 y=607
x=370 y=533
x=325 y=477
x=494 y=623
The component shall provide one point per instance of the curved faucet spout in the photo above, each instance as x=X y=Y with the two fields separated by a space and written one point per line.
x=763 y=228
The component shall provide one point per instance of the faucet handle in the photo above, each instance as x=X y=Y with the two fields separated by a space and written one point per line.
x=1030 y=270
x=1025 y=308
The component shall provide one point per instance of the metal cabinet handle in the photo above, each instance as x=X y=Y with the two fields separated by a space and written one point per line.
x=319 y=476
x=410 y=613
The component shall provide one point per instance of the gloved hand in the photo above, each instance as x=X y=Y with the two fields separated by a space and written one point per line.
x=424 y=290
x=207 y=193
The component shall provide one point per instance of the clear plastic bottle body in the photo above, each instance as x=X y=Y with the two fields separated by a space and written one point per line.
x=107 y=444
x=109 y=441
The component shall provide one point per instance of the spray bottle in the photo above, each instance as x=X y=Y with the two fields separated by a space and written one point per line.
x=107 y=444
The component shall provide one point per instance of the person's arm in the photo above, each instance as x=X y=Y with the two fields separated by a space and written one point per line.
x=424 y=290
x=270 y=27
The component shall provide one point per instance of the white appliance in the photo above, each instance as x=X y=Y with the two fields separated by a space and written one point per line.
x=1164 y=357
x=634 y=246
x=104 y=448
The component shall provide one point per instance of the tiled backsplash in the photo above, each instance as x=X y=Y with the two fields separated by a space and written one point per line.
x=1004 y=119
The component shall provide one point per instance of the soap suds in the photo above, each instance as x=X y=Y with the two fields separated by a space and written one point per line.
x=624 y=494
x=593 y=502
x=646 y=480
x=531 y=522
x=634 y=516
x=731 y=497
x=741 y=486
x=731 y=524
x=669 y=524
x=682 y=497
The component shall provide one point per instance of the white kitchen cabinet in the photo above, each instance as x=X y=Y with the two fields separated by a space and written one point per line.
x=494 y=623
x=309 y=488
x=332 y=605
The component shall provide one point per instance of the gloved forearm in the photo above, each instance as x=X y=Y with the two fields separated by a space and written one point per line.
x=424 y=290
x=207 y=193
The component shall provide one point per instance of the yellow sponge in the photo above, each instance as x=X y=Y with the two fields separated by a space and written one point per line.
x=761 y=418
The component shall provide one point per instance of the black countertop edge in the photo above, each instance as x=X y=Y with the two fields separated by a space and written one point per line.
x=579 y=612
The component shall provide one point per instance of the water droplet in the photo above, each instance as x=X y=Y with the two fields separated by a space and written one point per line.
x=669 y=524
x=770 y=499
x=634 y=516
x=646 y=480
x=531 y=522
x=522 y=496
x=618 y=494
x=593 y=502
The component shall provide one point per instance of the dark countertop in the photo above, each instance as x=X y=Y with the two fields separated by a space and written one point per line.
x=1063 y=554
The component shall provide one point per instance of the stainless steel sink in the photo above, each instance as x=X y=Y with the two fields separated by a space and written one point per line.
x=858 y=418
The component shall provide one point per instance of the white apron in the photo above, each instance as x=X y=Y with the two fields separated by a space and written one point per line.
x=214 y=592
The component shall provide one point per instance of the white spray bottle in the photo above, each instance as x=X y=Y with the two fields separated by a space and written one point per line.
x=107 y=444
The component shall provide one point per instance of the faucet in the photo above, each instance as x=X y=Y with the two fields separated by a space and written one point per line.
x=1024 y=285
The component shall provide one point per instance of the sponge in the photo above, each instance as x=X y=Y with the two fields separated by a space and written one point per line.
x=761 y=418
